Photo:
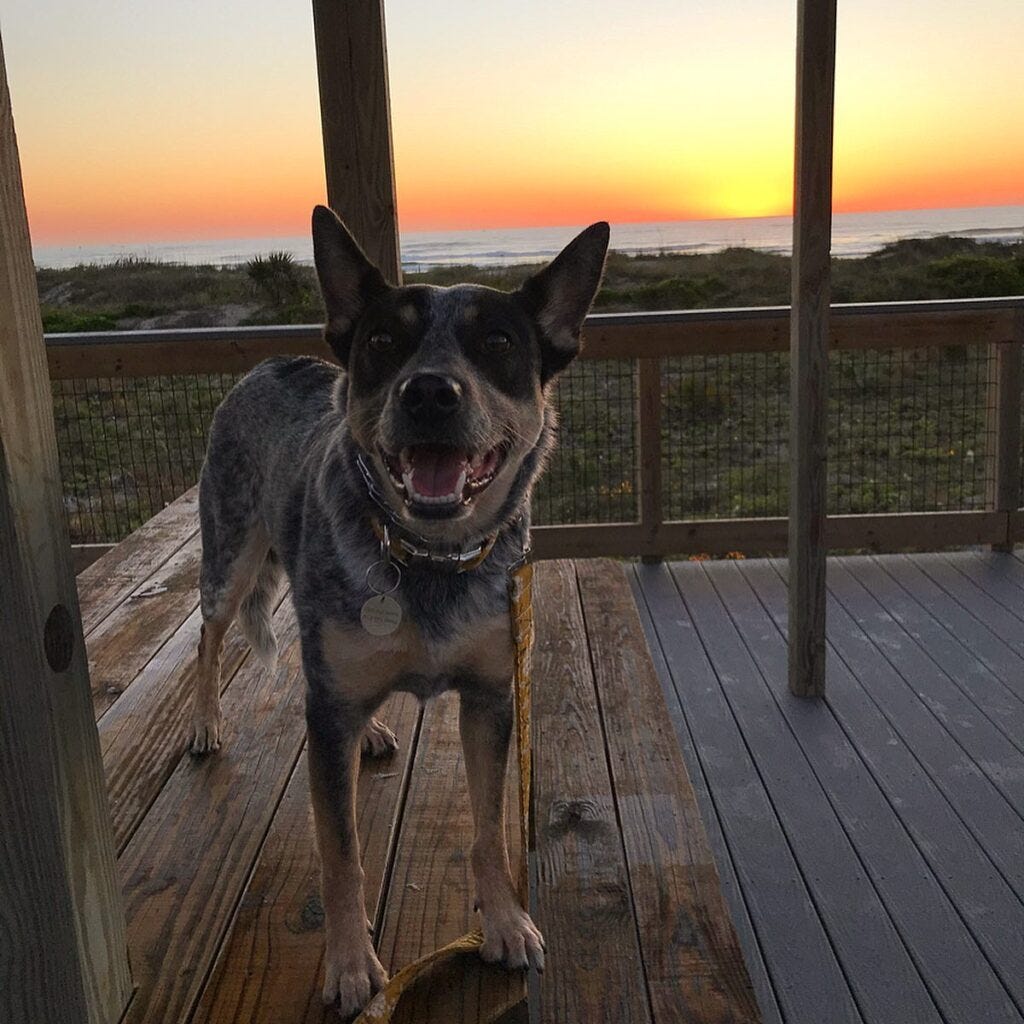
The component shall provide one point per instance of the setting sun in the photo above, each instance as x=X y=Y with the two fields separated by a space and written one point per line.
x=537 y=115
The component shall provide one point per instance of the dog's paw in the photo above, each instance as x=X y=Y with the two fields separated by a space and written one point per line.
x=511 y=938
x=206 y=735
x=351 y=979
x=378 y=740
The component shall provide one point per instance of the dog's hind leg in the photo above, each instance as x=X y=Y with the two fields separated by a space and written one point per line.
x=230 y=575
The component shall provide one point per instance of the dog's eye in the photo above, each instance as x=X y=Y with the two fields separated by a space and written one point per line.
x=497 y=342
x=381 y=342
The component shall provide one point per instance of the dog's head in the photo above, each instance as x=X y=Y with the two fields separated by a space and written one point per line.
x=446 y=386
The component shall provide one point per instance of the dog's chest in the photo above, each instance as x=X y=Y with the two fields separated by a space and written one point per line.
x=366 y=667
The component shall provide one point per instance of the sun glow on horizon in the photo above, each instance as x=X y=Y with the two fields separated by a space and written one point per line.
x=183 y=121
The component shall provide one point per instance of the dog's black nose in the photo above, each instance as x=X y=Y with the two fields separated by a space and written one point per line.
x=430 y=396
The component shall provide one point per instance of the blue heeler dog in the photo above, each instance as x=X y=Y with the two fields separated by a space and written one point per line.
x=432 y=434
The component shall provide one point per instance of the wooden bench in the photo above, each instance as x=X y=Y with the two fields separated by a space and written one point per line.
x=217 y=856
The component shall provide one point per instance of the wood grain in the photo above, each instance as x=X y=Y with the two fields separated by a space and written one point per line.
x=355 y=114
x=186 y=866
x=594 y=969
x=692 y=960
x=873 y=531
x=123 y=643
x=431 y=893
x=808 y=348
x=148 y=730
x=269 y=970
x=111 y=578
x=61 y=915
x=661 y=334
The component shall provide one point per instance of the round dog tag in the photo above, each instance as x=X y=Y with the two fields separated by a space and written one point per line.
x=381 y=615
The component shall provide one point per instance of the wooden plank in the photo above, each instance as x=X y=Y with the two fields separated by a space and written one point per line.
x=1002 y=562
x=61 y=913
x=808 y=347
x=992 y=582
x=991 y=650
x=269 y=969
x=806 y=976
x=110 y=579
x=936 y=323
x=594 y=970
x=1005 y=387
x=1004 y=623
x=431 y=892
x=880 y=971
x=355 y=113
x=171 y=352
x=987 y=905
x=649 y=435
x=731 y=889
x=972 y=794
x=929 y=925
x=187 y=863
x=768 y=535
x=692 y=960
x=1003 y=708
x=993 y=752
x=148 y=730
x=122 y=644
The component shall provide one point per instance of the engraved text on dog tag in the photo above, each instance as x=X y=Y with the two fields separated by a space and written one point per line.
x=381 y=615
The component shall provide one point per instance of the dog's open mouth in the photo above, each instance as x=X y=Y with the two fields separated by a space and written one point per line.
x=441 y=477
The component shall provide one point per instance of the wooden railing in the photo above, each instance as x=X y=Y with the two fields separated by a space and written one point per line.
x=649 y=338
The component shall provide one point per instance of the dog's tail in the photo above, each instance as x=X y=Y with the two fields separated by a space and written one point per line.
x=257 y=608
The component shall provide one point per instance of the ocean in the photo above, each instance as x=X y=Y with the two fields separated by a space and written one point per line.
x=853 y=234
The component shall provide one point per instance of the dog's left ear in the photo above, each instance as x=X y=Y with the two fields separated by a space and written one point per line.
x=560 y=296
x=348 y=280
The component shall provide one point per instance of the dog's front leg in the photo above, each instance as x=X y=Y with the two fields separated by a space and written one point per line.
x=352 y=971
x=485 y=724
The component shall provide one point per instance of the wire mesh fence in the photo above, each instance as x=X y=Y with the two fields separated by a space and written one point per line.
x=592 y=476
x=910 y=431
x=130 y=445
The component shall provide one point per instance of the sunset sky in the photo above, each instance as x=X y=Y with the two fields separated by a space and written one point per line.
x=146 y=120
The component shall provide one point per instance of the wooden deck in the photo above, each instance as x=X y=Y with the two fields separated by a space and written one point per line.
x=871 y=845
x=216 y=854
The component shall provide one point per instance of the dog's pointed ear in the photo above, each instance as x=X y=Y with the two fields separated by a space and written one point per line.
x=348 y=280
x=559 y=296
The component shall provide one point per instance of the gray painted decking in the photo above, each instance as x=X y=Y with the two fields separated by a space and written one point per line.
x=871 y=844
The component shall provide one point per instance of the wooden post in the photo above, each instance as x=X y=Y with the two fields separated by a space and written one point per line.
x=808 y=346
x=649 y=436
x=355 y=112
x=62 y=935
x=1005 y=382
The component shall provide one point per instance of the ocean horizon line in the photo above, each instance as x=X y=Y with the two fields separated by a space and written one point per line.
x=853 y=235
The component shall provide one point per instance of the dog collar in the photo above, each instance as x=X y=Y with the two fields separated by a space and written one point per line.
x=408 y=554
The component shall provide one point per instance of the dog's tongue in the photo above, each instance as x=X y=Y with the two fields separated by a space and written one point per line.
x=436 y=471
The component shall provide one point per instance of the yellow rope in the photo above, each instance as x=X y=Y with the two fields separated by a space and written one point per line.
x=383 y=1005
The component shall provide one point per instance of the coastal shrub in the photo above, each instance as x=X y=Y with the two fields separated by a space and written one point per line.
x=966 y=276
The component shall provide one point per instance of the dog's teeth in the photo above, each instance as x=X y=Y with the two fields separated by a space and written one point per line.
x=460 y=486
x=407 y=482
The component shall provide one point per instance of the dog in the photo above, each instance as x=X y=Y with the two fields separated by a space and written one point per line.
x=430 y=434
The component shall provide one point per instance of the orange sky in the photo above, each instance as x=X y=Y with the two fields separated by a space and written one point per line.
x=144 y=121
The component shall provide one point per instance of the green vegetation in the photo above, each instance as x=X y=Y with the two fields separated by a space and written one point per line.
x=908 y=428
